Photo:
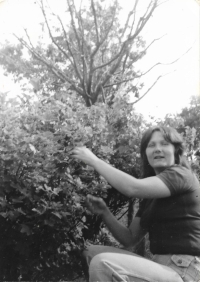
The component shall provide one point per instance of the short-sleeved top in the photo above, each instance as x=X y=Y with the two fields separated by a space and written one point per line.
x=173 y=223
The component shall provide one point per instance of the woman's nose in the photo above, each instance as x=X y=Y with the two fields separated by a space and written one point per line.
x=157 y=148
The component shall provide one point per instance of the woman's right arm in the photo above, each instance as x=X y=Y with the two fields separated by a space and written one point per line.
x=128 y=237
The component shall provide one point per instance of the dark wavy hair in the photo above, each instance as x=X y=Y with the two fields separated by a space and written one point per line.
x=170 y=135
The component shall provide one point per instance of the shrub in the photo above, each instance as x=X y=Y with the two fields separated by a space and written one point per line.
x=43 y=219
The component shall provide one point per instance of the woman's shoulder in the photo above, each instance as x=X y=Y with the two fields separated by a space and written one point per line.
x=179 y=169
x=178 y=177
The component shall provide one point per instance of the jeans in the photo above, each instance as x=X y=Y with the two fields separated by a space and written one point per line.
x=114 y=264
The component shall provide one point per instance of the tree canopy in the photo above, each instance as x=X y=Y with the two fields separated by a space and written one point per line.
x=90 y=53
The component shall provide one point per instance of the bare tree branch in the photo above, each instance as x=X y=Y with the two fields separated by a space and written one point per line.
x=92 y=74
x=144 y=19
x=133 y=22
x=95 y=21
x=148 y=89
x=165 y=64
x=125 y=44
x=67 y=41
x=59 y=74
x=82 y=79
x=119 y=82
x=104 y=38
x=133 y=11
x=81 y=49
x=156 y=39
x=30 y=42
x=73 y=24
x=103 y=95
x=51 y=36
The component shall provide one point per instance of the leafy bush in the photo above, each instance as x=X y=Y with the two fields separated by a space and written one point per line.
x=43 y=219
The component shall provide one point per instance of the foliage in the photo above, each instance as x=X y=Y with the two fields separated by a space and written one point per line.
x=191 y=117
x=43 y=219
x=45 y=225
x=91 y=53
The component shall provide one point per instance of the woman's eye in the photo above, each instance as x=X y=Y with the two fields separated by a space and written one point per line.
x=150 y=145
x=165 y=143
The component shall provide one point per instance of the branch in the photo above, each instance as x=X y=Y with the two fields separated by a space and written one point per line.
x=103 y=94
x=119 y=82
x=95 y=20
x=149 y=88
x=73 y=63
x=165 y=64
x=69 y=48
x=104 y=38
x=108 y=76
x=81 y=48
x=129 y=40
x=109 y=62
x=39 y=57
x=73 y=24
x=29 y=38
x=125 y=61
x=133 y=11
x=52 y=68
x=143 y=20
x=133 y=22
x=162 y=3
x=153 y=42
x=57 y=45
x=93 y=69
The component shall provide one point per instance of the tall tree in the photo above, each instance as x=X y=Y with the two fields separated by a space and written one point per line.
x=90 y=53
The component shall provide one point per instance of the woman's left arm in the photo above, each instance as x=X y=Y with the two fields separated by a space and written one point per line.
x=151 y=187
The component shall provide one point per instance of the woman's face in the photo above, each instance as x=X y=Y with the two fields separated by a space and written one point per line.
x=159 y=152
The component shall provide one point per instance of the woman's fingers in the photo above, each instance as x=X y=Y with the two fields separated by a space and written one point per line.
x=95 y=204
x=84 y=154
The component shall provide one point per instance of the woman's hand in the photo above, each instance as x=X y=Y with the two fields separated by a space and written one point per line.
x=96 y=205
x=85 y=155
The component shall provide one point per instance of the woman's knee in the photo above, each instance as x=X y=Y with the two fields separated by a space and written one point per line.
x=101 y=260
x=93 y=250
x=89 y=252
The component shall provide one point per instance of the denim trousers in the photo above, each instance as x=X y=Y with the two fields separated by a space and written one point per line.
x=114 y=264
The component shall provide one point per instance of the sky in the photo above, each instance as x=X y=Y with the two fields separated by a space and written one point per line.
x=178 y=20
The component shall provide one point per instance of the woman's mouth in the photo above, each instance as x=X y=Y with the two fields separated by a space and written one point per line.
x=158 y=157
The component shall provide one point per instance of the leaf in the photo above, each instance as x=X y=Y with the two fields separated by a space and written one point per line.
x=56 y=191
x=123 y=149
x=57 y=214
x=20 y=211
x=106 y=150
x=47 y=188
x=32 y=148
x=78 y=182
x=17 y=201
x=35 y=210
x=25 y=229
x=66 y=213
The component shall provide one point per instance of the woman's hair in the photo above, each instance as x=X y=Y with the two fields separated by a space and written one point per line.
x=171 y=135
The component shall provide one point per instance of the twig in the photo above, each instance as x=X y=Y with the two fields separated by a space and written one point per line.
x=149 y=88
x=166 y=64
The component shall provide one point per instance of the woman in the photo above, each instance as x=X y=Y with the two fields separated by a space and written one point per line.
x=170 y=213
